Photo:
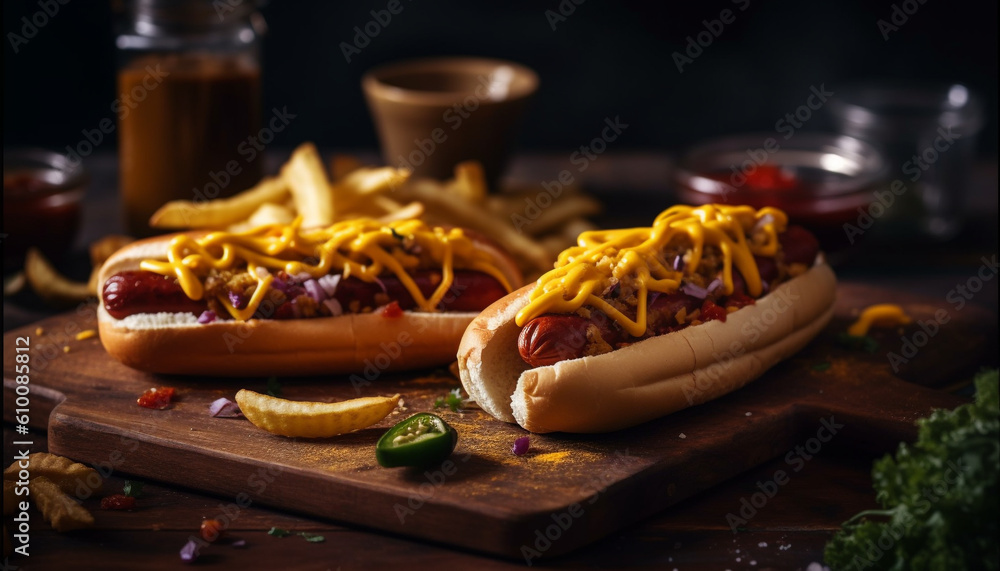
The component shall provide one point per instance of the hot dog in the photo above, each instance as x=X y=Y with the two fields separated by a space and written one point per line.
x=283 y=300
x=638 y=323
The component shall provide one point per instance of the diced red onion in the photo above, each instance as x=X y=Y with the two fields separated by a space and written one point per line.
x=679 y=263
x=206 y=316
x=262 y=272
x=521 y=446
x=381 y=285
x=280 y=285
x=224 y=408
x=329 y=283
x=189 y=553
x=239 y=543
x=694 y=290
x=314 y=290
x=714 y=285
x=236 y=299
x=334 y=306
x=302 y=276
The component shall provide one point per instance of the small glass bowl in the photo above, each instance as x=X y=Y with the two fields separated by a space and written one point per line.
x=820 y=180
x=42 y=191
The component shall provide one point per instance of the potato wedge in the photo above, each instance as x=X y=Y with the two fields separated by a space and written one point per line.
x=56 y=289
x=311 y=190
x=312 y=419
x=221 y=212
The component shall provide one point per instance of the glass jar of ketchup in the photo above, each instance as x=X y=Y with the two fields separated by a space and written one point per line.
x=822 y=181
x=42 y=191
x=188 y=102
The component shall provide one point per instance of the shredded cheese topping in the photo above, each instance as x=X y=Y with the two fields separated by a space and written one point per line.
x=883 y=314
x=605 y=257
x=362 y=248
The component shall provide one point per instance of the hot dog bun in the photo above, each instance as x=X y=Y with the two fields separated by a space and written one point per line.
x=365 y=343
x=648 y=379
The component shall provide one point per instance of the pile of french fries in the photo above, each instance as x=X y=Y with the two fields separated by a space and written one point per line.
x=515 y=219
x=351 y=190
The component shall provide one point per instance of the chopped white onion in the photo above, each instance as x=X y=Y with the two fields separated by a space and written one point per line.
x=334 y=306
x=694 y=290
x=314 y=290
x=329 y=283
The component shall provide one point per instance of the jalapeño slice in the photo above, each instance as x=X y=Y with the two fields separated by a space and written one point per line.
x=421 y=440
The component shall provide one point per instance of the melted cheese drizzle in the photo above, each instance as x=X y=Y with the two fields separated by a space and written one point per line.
x=362 y=248
x=605 y=257
x=883 y=314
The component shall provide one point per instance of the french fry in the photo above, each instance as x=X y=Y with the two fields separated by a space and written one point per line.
x=312 y=419
x=411 y=210
x=565 y=209
x=342 y=165
x=442 y=208
x=14 y=284
x=56 y=289
x=60 y=510
x=59 y=470
x=367 y=181
x=469 y=182
x=221 y=212
x=100 y=250
x=311 y=190
x=269 y=213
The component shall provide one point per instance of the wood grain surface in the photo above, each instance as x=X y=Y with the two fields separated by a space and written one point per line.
x=567 y=492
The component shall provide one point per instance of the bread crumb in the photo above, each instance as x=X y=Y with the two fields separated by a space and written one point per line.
x=749 y=414
x=762 y=544
x=752 y=563
x=39 y=331
x=65 y=348
x=682 y=435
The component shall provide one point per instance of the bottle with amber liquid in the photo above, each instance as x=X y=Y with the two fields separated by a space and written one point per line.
x=188 y=102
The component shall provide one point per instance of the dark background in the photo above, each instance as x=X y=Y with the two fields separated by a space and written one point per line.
x=606 y=59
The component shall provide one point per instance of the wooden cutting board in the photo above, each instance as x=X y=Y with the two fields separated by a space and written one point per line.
x=567 y=491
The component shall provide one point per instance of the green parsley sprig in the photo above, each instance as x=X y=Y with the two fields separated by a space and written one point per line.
x=939 y=496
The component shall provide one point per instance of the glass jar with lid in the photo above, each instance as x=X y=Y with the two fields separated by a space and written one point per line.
x=189 y=102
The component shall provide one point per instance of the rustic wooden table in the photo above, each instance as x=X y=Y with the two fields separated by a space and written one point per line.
x=789 y=532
